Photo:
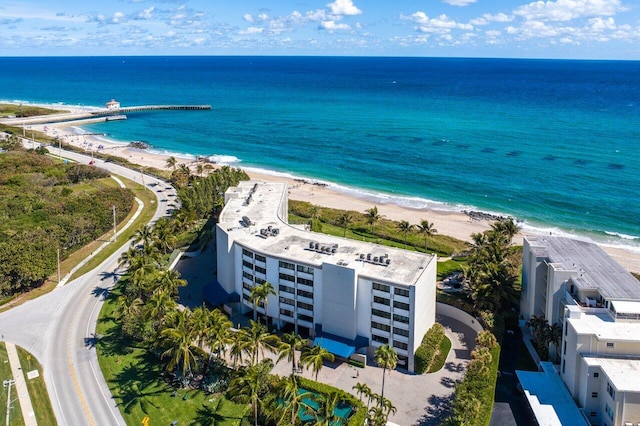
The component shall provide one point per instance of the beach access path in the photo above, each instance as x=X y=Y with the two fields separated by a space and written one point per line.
x=20 y=384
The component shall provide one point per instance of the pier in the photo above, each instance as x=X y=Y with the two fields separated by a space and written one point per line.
x=102 y=114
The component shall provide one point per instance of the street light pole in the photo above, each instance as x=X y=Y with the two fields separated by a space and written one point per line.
x=7 y=384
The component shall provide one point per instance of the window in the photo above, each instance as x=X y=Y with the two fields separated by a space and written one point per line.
x=378 y=326
x=563 y=365
x=247 y=286
x=306 y=318
x=611 y=391
x=286 y=312
x=287 y=301
x=307 y=306
x=401 y=292
x=400 y=345
x=381 y=287
x=285 y=289
x=245 y=296
x=305 y=269
x=379 y=313
x=286 y=277
x=596 y=375
x=305 y=281
x=247 y=264
x=247 y=275
x=400 y=332
x=247 y=253
x=564 y=349
x=306 y=294
x=401 y=318
x=609 y=411
x=594 y=394
x=261 y=270
x=260 y=280
x=261 y=258
x=611 y=345
x=381 y=300
x=401 y=305
x=593 y=414
x=286 y=265
x=379 y=339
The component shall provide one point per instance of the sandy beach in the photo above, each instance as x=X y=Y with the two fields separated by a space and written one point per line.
x=458 y=225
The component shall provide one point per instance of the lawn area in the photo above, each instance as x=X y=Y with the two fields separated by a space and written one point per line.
x=5 y=374
x=37 y=389
x=19 y=110
x=136 y=381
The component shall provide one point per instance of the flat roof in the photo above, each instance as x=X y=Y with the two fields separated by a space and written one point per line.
x=622 y=372
x=626 y=307
x=604 y=327
x=549 y=398
x=594 y=268
x=293 y=242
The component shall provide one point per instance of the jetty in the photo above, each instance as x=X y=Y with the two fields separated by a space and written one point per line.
x=111 y=112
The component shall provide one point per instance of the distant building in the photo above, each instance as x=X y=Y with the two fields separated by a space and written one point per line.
x=350 y=295
x=113 y=104
x=597 y=302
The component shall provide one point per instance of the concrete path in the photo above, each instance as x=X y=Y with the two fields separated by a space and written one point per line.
x=21 y=386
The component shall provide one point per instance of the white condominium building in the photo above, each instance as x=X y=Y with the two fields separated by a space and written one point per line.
x=597 y=302
x=350 y=295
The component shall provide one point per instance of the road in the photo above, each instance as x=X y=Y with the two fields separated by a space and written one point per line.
x=58 y=327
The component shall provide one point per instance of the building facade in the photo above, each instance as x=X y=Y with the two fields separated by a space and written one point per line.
x=360 y=294
x=597 y=302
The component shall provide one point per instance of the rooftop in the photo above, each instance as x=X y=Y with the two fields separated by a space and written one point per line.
x=549 y=398
x=594 y=268
x=623 y=373
x=604 y=327
x=252 y=217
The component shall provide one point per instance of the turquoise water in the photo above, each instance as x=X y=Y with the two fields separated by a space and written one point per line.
x=342 y=410
x=553 y=143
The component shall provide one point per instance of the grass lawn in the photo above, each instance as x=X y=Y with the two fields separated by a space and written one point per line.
x=525 y=362
x=135 y=379
x=441 y=356
x=5 y=374
x=37 y=389
x=20 y=110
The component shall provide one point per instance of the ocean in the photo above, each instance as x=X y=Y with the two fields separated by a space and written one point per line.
x=553 y=143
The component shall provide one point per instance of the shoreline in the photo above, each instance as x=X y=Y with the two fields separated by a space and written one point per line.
x=458 y=224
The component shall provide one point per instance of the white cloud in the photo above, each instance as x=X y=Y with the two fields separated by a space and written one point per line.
x=459 y=2
x=247 y=17
x=343 y=7
x=251 y=30
x=441 y=24
x=566 y=10
x=487 y=18
x=147 y=13
x=333 y=26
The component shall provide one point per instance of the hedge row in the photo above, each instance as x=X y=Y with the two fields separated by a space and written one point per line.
x=428 y=348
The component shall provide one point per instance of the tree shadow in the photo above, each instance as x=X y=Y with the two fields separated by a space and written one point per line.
x=212 y=415
x=111 y=276
x=137 y=395
x=438 y=410
x=448 y=382
x=102 y=292
x=455 y=367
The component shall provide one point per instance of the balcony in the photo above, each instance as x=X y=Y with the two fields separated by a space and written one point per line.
x=379 y=293
x=305 y=287
x=304 y=300
x=403 y=299
x=304 y=311
x=305 y=275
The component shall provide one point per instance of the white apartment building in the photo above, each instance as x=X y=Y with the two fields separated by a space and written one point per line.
x=350 y=295
x=597 y=301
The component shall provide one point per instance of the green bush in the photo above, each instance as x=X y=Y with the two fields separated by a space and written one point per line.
x=360 y=411
x=356 y=363
x=428 y=348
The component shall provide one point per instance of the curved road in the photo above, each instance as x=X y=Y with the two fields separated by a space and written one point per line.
x=58 y=327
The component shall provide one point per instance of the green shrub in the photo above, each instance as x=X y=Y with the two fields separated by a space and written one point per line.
x=428 y=348
x=356 y=363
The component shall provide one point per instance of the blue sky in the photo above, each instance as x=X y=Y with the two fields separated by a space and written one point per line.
x=589 y=29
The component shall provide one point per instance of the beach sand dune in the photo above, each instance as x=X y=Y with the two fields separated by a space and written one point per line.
x=454 y=224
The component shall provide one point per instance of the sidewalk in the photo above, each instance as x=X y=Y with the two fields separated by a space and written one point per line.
x=21 y=386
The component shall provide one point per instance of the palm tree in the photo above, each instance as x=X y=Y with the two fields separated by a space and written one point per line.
x=405 y=227
x=260 y=296
x=143 y=235
x=168 y=282
x=362 y=389
x=372 y=217
x=236 y=341
x=315 y=357
x=289 y=344
x=158 y=305
x=164 y=235
x=179 y=338
x=344 y=220
x=289 y=399
x=250 y=385
x=326 y=411
x=256 y=339
x=387 y=358
x=427 y=229
x=171 y=162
